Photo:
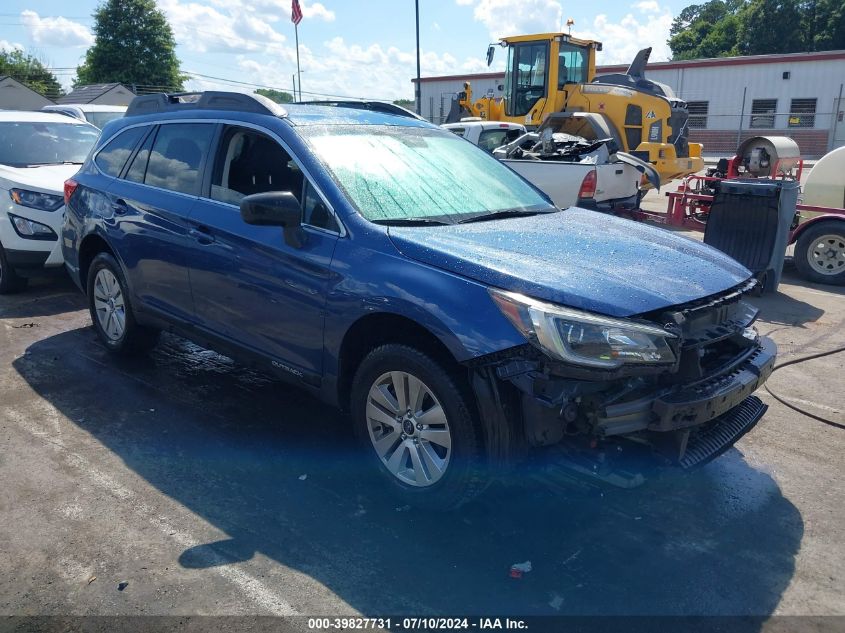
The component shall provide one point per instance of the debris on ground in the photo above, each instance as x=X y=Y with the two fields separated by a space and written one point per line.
x=303 y=477
x=518 y=569
x=92 y=579
x=122 y=585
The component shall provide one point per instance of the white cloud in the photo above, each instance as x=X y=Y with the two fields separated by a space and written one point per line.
x=316 y=10
x=274 y=10
x=343 y=69
x=202 y=28
x=621 y=40
x=56 y=31
x=6 y=45
x=514 y=17
x=648 y=6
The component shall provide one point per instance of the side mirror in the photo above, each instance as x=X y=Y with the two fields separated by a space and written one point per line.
x=491 y=50
x=275 y=208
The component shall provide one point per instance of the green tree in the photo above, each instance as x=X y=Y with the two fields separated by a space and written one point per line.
x=824 y=22
x=772 y=26
x=133 y=45
x=710 y=29
x=279 y=96
x=408 y=104
x=30 y=71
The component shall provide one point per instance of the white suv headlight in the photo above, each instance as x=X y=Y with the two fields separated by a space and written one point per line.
x=582 y=338
x=36 y=199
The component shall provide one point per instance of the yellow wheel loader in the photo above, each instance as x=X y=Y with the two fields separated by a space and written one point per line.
x=554 y=72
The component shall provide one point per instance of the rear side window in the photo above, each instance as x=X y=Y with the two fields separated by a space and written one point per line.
x=113 y=156
x=491 y=139
x=177 y=155
x=138 y=167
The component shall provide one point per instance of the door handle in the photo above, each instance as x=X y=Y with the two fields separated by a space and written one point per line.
x=201 y=235
x=120 y=207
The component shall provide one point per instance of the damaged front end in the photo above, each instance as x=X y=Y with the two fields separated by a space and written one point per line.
x=675 y=384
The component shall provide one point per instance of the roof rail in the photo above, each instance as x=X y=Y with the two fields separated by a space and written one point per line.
x=384 y=107
x=208 y=100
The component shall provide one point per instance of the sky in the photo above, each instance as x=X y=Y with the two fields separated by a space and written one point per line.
x=354 y=48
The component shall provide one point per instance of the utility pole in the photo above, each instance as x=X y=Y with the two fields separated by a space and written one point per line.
x=298 y=73
x=417 y=90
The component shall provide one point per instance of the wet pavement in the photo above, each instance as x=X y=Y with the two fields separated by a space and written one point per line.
x=211 y=489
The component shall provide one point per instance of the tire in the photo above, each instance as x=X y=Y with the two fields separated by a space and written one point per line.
x=417 y=452
x=822 y=265
x=10 y=281
x=111 y=313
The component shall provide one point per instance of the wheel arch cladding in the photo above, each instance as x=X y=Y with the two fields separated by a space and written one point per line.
x=91 y=246
x=373 y=330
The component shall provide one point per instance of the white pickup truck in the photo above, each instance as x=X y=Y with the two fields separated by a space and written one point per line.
x=613 y=184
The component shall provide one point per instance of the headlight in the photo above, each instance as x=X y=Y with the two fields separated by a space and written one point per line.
x=28 y=229
x=582 y=338
x=36 y=200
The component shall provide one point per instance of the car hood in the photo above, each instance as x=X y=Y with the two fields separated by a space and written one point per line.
x=47 y=178
x=578 y=258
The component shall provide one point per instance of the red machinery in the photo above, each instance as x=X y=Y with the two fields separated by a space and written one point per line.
x=819 y=253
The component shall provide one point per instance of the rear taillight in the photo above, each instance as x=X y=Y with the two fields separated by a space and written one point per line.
x=70 y=187
x=588 y=185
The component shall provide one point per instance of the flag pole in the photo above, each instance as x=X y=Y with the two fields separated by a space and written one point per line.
x=298 y=73
x=417 y=90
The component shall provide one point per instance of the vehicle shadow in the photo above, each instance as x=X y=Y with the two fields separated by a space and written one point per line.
x=43 y=297
x=232 y=445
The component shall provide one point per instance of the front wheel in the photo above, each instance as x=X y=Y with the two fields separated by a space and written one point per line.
x=416 y=424
x=820 y=253
x=111 y=313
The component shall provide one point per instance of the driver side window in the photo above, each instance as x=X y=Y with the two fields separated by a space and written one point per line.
x=249 y=162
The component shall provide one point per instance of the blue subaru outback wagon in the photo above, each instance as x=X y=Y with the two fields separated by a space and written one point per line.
x=409 y=278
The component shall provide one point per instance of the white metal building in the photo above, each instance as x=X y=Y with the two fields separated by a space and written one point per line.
x=801 y=95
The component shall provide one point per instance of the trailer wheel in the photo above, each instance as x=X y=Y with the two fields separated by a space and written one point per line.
x=820 y=253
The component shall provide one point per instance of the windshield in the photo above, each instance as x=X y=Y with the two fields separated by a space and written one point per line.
x=101 y=118
x=401 y=173
x=26 y=143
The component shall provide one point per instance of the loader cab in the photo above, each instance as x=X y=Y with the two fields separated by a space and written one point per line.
x=538 y=68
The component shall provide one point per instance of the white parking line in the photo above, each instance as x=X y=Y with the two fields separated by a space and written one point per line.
x=252 y=588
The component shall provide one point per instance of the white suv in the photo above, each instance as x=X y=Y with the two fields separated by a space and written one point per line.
x=38 y=152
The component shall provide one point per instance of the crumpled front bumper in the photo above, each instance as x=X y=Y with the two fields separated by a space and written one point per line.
x=690 y=405
x=700 y=403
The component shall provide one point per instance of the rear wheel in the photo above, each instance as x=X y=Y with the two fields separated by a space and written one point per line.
x=820 y=253
x=111 y=312
x=10 y=281
x=417 y=427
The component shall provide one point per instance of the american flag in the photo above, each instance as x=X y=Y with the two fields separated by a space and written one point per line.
x=295 y=12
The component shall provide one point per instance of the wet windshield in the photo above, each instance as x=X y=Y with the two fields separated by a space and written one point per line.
x=25 y=143
x=403 y=173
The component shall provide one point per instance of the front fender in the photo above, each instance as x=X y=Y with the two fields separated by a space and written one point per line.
x=458 y=311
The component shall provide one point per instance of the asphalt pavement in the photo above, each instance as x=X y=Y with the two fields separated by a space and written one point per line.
x=185 y=484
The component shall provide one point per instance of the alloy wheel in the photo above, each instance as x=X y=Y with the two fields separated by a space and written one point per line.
x=109 y=304
x=408 y=429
